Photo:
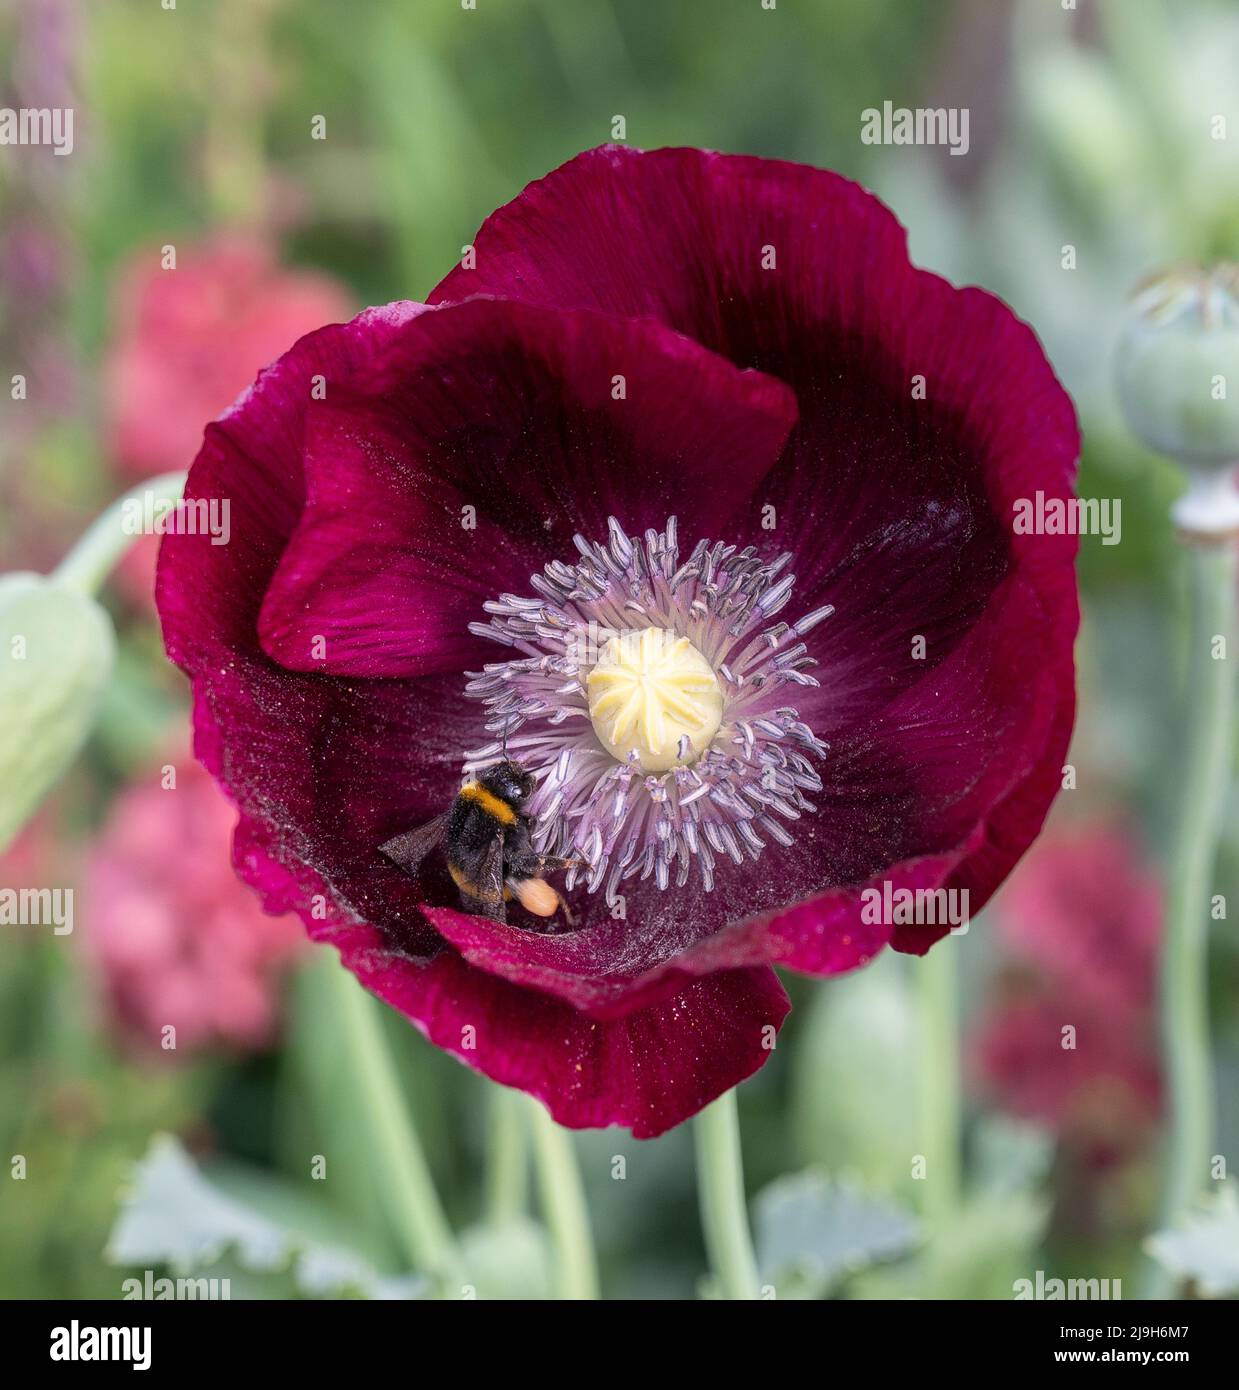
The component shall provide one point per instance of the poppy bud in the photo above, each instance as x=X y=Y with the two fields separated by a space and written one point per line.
x=56 y=655
x=1178 y=383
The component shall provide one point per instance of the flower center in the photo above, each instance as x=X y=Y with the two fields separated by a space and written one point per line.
x=654 y=699
x=658 y=705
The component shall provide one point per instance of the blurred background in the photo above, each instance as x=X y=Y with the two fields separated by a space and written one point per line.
x=1092 y=127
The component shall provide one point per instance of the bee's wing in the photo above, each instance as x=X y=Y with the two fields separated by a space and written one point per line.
x=408 y=850
x=489 y=899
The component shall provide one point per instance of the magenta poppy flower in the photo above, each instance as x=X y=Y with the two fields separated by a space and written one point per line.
x=691 y=494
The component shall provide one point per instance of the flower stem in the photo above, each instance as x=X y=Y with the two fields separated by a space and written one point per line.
x=720 y=1191
x=107 y=538
x=563 y=1204
x=1184 y=967
x=401 y=1168
x=939 y=1089
x=507 y=1156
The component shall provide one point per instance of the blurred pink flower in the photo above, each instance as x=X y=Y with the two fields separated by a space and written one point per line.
x=37 y=857
x=1087 y=910
x=188 y=341
x=1101 y=1096
x=1080 y=923
x=176 y=938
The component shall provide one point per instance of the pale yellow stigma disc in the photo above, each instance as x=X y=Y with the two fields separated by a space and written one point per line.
x=650 y=690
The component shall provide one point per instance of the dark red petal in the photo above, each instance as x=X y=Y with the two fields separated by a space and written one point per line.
x=325 y=763
x=680 y=235
x=647 y=1071
x=465 y=461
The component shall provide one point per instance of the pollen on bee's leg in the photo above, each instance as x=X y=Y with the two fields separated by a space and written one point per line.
x=536 y=896
x=654 y=700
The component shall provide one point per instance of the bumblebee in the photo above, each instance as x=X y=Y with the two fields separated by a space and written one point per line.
x=488 y=839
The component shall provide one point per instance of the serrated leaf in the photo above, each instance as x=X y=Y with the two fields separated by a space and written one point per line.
x=174 y=1216
x=812 y=1232
x=57 y=649
x=1010 y=1155
x=1205 y=1247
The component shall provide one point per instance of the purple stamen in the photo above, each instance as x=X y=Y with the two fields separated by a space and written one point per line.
x=589 y=804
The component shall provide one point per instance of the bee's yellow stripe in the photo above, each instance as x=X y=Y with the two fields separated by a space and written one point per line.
x=488 y=801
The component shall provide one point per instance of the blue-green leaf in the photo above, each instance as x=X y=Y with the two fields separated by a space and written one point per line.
x=175 y=1216
x=812 y=1233
x=1205 y=1247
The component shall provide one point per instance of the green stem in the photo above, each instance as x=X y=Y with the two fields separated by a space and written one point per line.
x=111 y=533
x=939 y=1089
x=507 y=1156
x=401 y=1168
x=563 y=1205
x=720 y=1194
x=1207 y=754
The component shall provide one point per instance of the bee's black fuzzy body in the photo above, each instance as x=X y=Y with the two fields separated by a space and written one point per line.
x=486 y=812
x=487 y=837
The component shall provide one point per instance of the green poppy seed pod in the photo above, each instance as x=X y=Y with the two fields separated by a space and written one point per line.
x=1178 y=384
x=855 y=1092
x=56 y=655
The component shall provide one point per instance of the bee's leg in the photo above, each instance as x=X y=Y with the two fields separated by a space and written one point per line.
x=528 y=863
x=550 y=862
x=523 y=862
x=521 y=858
x=569 y=915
